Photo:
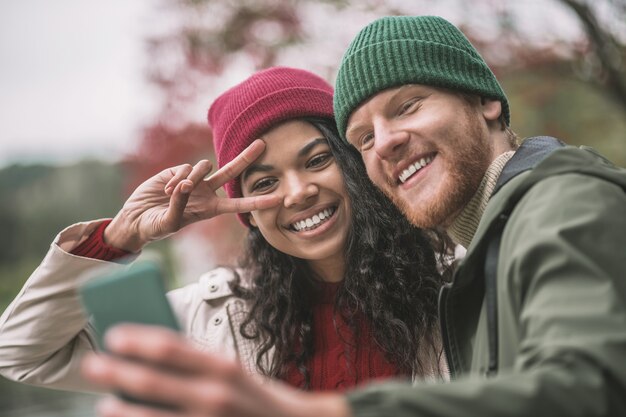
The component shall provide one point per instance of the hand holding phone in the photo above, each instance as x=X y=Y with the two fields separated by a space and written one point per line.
x=132 y=295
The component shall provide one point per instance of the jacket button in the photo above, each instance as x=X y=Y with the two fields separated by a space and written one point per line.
x=213 y=287
x=217 y=321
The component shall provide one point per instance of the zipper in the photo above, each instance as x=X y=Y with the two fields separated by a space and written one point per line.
x=443 y=297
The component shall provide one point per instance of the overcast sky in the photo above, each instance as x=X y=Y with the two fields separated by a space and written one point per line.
x=72 y=71
x=71 y=78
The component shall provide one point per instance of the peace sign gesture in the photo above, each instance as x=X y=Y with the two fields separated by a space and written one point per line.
x=179 y=196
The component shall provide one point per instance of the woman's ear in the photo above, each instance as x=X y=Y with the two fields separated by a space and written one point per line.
x=251 y=219
x=491 y=109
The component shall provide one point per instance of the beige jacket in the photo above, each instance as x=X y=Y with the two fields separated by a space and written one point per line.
x=44 y=332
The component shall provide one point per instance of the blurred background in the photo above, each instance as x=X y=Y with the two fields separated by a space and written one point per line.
x=95 y=97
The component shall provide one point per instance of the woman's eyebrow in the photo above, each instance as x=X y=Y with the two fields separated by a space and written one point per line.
x=307 y=148
x=302 y=152
x=255 y=168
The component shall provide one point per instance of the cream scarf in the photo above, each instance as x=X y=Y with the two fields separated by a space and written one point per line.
x=464 y=226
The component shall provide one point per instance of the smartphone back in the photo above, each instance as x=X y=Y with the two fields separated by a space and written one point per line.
x=132 y=295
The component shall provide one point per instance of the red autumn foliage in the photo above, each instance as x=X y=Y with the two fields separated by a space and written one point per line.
x=162 y=147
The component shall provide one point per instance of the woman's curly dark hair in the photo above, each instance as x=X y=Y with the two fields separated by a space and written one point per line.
x=391 y=281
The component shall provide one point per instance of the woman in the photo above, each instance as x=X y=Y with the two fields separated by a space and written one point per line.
x=335 y=288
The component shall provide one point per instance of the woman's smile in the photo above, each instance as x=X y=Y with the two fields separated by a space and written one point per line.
x=313 y=221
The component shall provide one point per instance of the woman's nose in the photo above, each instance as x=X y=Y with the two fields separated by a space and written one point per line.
x=298 y=190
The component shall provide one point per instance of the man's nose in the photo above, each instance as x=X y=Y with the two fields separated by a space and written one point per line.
x=389 y=140
x=298 y=190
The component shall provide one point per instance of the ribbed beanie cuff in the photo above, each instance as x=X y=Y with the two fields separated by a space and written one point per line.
x=399 y=50
x=246 y=111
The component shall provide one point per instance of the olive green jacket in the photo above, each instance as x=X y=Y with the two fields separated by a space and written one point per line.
x=561 y=288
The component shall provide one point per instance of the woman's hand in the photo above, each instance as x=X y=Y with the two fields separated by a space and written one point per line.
x=179 y=196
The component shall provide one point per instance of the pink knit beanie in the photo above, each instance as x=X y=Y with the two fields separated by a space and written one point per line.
x=246 y=111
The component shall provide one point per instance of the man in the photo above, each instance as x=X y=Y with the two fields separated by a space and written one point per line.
x=431 y=123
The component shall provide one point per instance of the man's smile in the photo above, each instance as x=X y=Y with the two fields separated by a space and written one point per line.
x=415 y=167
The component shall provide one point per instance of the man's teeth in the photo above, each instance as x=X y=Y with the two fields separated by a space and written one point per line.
x=314 y=221
x=416 y=166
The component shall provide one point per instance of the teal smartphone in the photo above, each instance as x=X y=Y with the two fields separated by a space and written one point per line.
x=132 y=295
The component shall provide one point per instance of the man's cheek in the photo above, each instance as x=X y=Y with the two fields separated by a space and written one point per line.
x=375 y=172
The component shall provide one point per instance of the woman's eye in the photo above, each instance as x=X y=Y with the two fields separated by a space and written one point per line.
x=319 y=160
x=263 y=184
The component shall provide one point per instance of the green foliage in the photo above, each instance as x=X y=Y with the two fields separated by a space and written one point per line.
x=37 y=202
x=553 y=102
x=40 y=200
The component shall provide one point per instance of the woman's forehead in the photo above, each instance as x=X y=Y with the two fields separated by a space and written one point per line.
x=291 y=139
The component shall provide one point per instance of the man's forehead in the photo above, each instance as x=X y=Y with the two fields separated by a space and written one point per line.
x=388 y=94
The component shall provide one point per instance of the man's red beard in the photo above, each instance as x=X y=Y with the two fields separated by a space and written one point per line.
x=466 y=164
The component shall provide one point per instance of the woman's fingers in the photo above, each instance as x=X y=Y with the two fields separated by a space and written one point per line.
x=200 y=171
x=178 y=174
x=173 y=218
x=235 y=167
x=247 y=204
x=194 y=174
x=182 y=188
x=186 y=178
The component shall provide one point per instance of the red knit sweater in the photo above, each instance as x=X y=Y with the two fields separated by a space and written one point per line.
x=339 y=360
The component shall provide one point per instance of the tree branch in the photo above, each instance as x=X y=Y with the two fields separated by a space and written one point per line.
x=604 y=45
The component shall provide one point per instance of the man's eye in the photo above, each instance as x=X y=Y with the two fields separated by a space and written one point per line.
x=408 y=106
x=263 y=184
x=319 y=160
x=366 y=141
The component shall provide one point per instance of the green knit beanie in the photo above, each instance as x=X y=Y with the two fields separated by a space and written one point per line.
x=398 y=50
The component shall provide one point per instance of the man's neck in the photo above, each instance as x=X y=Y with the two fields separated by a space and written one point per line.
x=462 y=229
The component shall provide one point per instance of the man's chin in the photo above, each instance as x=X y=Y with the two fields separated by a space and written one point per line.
x=435 y=213
x=415 y=213
x=425 y=218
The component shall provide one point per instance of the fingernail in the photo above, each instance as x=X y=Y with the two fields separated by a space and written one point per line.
x=94 y=365
x=168 y=190
x=114 y=338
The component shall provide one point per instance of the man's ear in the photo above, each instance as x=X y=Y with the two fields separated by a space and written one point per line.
x=491 y=109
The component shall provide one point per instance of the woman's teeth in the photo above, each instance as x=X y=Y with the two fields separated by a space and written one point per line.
x=314 y=221
x=412 y=169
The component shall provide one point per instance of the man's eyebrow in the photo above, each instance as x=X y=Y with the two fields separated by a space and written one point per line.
x=352 y=129
x=307 y=148
x=400 y=91
x=356 y=127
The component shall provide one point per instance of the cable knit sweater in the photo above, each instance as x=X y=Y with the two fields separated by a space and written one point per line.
x=464 y=226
